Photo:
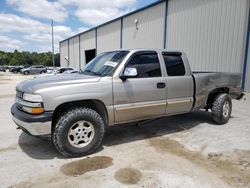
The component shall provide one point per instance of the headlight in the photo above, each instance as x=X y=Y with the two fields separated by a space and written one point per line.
x=32 y=97
x=31 y=103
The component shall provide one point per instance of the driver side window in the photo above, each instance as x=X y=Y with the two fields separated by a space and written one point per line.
x=147 y=65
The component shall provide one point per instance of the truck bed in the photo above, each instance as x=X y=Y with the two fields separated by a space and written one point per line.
x=207 y=82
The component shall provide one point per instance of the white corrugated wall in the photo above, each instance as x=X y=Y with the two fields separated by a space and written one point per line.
x=211 y=32
x=63 y=53
x=247 y=82
x=150 y=28
x=87 y=42
x=108 y=36
x=74 y=52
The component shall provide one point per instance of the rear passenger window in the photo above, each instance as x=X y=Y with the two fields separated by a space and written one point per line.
x=147 y=65
x=174 y=64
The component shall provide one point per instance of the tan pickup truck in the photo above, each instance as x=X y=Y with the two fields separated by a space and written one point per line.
x=118 y=87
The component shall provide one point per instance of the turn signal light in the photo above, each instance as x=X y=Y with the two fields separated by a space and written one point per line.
x=37 y=110
x=33 y=110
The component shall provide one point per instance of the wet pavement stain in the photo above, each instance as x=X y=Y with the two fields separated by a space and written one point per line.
x=229 y=170
x=128 y=175
x=82 y=166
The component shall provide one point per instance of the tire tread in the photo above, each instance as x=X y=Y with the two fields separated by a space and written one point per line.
x=217 y=108
x=65 y=117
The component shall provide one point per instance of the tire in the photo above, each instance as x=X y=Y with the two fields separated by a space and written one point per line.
x=221 y=109
x=26 y=72
x=63 y=140
x=42 y=72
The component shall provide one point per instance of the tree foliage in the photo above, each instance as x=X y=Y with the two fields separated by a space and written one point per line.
x=28 y=58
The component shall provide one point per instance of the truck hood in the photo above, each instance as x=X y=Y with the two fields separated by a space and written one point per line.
x=32 y=85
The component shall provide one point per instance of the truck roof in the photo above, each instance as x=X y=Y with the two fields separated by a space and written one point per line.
x=147 y=49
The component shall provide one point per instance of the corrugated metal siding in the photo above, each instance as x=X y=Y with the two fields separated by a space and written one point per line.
x=63 y=53
x=247 y=82
x=74 y=52
x=87 y=42
x=108 y=36
x=150 y=28
x=211 y=32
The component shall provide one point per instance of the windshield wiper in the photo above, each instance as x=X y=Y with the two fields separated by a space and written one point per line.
x=92 y=72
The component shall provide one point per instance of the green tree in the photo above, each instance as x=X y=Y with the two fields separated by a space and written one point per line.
x=14 y=61
x=28 y=58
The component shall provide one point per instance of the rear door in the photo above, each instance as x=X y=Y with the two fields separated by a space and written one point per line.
x=32 y=69
x=180 y=86
x=143 y=96
x=40 y=69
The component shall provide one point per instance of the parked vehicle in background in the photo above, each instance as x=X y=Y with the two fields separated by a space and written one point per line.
x=7 y=68
x=34 y=69
x=2 y=68
x=16 y=69
x=119 y=87
x=56 y=72
x=71 y=71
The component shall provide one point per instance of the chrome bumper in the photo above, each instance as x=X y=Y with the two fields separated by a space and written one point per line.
x=32 y=124
x=37 y=128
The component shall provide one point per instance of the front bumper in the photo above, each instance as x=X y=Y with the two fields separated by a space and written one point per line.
x=33 y=124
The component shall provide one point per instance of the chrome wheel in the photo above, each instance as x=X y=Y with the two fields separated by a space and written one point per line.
x=226 y=109
x=81 y=134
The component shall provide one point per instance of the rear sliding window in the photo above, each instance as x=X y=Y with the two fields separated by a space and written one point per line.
x=174 y=64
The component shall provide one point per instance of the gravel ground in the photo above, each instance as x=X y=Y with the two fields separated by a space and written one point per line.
x=180 y=151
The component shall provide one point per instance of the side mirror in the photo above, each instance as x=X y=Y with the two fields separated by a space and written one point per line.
x=129 y=72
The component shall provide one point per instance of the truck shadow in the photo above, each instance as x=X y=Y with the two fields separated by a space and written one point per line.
x=126 y=133
x=43 y=149
x=38 y=147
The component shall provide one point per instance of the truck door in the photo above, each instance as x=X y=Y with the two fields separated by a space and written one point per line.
x=143 y=96
x=32 y=68
x=180 y=86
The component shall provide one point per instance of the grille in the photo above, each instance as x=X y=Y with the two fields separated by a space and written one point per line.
x=19 y=94
x=19 y=107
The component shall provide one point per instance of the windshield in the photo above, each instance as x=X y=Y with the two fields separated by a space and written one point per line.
x=104 y=64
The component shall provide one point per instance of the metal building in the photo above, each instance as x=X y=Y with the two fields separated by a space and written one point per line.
x=213 y=33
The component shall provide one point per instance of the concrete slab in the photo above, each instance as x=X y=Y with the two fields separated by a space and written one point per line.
x=180 y=151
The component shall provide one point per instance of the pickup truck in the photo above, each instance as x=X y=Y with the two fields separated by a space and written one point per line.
x=118 y=87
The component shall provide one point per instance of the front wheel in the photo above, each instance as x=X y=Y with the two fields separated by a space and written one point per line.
x=78 y=132
x=26 y=72
x=221 y=108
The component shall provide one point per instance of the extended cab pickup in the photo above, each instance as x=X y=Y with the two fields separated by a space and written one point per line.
x=118 y=87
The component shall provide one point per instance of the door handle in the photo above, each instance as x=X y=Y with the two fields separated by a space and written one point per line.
x=161 y=85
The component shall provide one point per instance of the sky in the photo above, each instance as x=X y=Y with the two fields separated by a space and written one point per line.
x=25 y=25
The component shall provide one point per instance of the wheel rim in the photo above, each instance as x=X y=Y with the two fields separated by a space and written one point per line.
x=226 y=109
x=81 y=134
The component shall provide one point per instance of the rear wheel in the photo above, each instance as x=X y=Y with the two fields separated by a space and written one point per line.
x=78 y=132
x=221 y=108
x=42 y=72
